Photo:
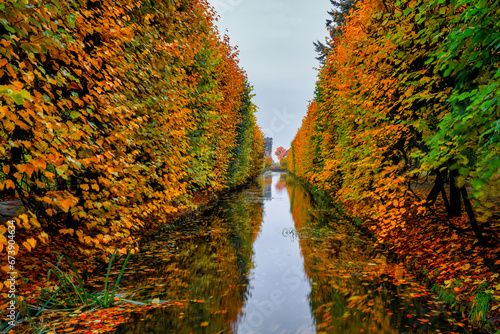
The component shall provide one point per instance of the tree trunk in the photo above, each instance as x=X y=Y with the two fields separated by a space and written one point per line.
x=472 y=217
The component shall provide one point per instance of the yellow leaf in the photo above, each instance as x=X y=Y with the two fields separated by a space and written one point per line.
x=32 y=242
x=24 y=221
x=35 y=223
x=27 y=246
x=43 y=236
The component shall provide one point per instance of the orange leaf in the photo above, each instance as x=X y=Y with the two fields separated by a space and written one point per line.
x=28 y=169
x=9 y=184
x=32 y=242
x=65 y=205
x=18 y=85
x=27 y=246
x=39 y=163
x=67 y=231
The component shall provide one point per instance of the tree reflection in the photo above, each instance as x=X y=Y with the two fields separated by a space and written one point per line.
x=201 y=266
x=281 y=184
x=353 y=288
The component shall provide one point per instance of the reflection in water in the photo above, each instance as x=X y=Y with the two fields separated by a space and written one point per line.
x=268 y=190
x=279 y=288
x=258 y=262
x=281 y=184
x=201 y=266
x=354 y=290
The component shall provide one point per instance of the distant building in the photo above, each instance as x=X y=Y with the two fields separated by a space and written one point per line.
x=268 y=146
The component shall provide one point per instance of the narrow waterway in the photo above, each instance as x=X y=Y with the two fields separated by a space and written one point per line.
x=279 y=289
x=269 y=259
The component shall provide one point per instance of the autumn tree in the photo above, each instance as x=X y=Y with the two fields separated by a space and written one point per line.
x=112 y=118
x=395 y=99
x=280 y=152
x=338 y=15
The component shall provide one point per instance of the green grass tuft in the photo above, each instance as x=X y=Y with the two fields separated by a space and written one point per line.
x=480 y=307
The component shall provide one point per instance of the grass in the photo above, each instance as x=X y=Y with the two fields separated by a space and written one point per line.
x=480 y=305
x=70 y=294
x=478 y=308
x=447 y=295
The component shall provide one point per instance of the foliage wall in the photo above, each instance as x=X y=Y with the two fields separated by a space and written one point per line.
x=114 y=113
x=409 y=89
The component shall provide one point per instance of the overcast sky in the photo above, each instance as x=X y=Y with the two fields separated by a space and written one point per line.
x=275 y=39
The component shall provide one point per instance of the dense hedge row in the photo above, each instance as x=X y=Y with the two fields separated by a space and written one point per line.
x=113 y=113
x=409 y=89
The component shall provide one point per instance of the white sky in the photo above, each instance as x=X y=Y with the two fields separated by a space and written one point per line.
x=275 y=40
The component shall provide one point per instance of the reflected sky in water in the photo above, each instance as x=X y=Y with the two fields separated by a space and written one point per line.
x=278 y=288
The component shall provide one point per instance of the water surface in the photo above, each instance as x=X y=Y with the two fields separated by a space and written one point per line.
x=270 y=259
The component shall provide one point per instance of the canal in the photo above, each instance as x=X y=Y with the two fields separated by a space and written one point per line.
x=270 y=259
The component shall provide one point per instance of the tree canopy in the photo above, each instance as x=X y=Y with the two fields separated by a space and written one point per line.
x=114 y=114
x=408 y=90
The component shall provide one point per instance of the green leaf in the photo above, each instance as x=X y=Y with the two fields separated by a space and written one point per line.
x=7 y=26
x=18 y=98
x=71 y=20
x=464 y=171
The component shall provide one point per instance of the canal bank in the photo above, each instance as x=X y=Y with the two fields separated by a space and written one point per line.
x=460 y=272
